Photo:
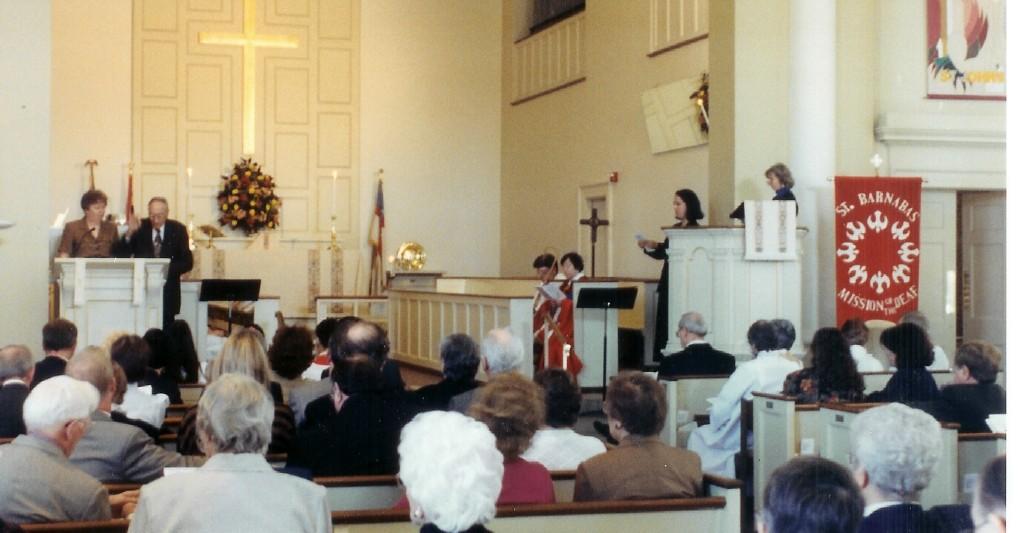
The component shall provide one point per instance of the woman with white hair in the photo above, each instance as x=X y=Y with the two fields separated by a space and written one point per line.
x=895 y=449
x=236 y=490
x=452 y=472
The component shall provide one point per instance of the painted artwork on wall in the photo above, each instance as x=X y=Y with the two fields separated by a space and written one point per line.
x=966 y=49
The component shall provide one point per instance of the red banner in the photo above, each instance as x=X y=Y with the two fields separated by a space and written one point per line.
x=878 y=247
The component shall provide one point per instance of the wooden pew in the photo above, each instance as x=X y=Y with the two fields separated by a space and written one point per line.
x=875 y=381
x=836 y=423
x=718 y=512
x=178 y=409
x=687 y=393
x=775 y=439
x=975 y=450
x=190 y=392
x=118 y=525
x=350 y=493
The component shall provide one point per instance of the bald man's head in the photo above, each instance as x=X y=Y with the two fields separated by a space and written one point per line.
x=93 y=366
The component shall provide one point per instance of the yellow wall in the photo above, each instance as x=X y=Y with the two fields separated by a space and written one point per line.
x=92 y=98
x=556 y=143
x=431 y=120
x=25 y=152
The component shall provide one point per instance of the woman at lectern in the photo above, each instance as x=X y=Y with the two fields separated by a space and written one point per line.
x=780 y=179
x=89 y=236
x=687 y=210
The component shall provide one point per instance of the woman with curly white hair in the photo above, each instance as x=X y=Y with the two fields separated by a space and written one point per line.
x=452 y=472
x=895 y=449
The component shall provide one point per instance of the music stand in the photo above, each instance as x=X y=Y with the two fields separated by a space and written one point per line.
x=606 y=298
x=229 y=290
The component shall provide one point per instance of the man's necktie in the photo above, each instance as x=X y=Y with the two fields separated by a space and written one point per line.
x=157 y=244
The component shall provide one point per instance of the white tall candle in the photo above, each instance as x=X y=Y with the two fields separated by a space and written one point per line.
x=334 y=193
x=188 y=191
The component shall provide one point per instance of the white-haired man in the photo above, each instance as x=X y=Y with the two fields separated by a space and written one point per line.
x=502 y=352
x=697 y=357
x=39 y=483
x=110 y=451
x=895 y=449
x=16 y=371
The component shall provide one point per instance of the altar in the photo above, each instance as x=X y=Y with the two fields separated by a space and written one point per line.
x=710 y=272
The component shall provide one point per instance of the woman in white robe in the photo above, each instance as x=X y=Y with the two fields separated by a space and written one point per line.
x=719 y=441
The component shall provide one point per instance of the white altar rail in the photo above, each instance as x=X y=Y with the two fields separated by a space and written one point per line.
x=370 y=308
x=421 y=320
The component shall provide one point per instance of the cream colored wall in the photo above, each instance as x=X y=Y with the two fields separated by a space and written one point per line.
x=431 y=120
x=91 y=101
x=577 y=136
x=25 y=112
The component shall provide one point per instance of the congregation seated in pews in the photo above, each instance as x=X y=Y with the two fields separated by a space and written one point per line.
x=543 y=463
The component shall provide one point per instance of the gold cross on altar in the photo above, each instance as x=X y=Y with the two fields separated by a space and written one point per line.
x=249 y=40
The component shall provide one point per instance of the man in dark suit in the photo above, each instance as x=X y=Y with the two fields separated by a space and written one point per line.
x=160 y=237
x=15 y=374
x=895 y=449
x=60 y=337
x=354 y=430
x=698 y=357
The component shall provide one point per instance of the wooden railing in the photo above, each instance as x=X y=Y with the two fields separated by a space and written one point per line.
x=550 y=60
x=421 y=320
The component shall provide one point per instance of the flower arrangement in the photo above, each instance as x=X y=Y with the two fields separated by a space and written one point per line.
x=247 y=200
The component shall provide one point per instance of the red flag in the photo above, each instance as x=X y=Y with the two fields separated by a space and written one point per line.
x=878 y=247
x=129 y=206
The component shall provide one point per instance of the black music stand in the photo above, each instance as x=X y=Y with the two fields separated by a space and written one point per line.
x=229 y=290
x=606 y=298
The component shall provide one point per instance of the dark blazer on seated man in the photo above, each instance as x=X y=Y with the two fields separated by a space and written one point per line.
x=969 y=405
x=12 y=397
x=902 y=518
x=699 y=358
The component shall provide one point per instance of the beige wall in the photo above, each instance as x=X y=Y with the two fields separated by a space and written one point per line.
x=25 y=29
x=431 y=119
x=556 y=143
x=92 y=98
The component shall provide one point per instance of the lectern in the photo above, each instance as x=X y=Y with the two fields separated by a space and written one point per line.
x=710 y=271
x=105 y=295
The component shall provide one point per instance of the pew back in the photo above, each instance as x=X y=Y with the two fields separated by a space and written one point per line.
x=975 y=450
x=774 y=438
x=836 y=422
x=687 y=395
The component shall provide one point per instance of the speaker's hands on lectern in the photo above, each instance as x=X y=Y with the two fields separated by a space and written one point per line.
x=133 y=225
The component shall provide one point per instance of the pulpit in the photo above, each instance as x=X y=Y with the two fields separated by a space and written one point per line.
x=710 y=272
x=105 y=295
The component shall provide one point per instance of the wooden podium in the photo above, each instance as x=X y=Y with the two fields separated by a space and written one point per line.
x=709 y=272
x=105 y=295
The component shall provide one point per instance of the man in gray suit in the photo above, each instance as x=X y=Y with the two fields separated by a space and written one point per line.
x=39 y=483
x=502 y=352
x=110 y=451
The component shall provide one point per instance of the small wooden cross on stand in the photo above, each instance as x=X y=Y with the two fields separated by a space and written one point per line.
x=594 y=222
x=92 y=173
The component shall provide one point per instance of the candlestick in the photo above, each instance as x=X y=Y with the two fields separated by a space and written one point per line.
x=188 y=194
x=334 y=195
x=876 y=161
